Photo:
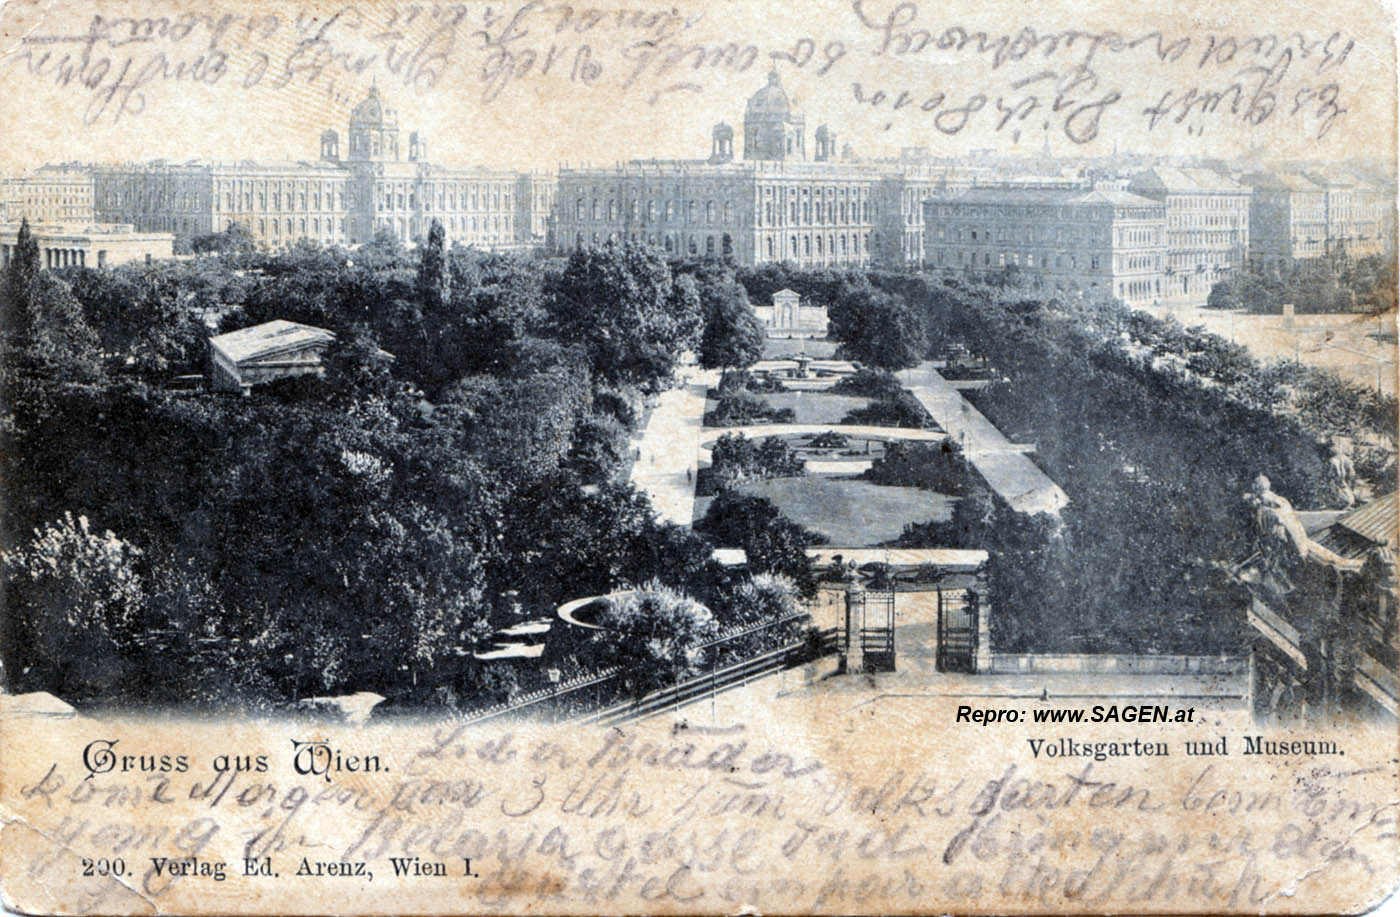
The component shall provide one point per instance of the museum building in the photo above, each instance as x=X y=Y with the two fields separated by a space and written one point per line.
x=774 y=203
x=379 y=181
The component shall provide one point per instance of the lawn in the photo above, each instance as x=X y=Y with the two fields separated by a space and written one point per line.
x=817 y=407
x=851 y=513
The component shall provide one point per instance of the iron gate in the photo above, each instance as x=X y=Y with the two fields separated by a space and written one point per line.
x=870 y=617
x=957 y=631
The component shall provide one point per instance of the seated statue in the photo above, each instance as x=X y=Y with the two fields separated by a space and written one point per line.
x=1282 y=540
x=1343 y=473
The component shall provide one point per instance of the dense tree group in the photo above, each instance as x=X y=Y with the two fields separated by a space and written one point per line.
x=1337 y=283
x=460 y=460
x=1154 y=431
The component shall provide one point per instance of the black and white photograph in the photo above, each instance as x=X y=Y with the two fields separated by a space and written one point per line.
x=590 y=460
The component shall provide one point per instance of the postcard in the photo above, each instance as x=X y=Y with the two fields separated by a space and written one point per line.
x=526 y=457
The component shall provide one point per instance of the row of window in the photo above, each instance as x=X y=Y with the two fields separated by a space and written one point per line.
x=336 y=200
x=1202 y=202
x=671 y=242
x=1203 y=256
x=810 y=245
x=1223 y=237
x=820 y=213
x=1059 y=261
x=333 y=201
x=801 y=212
x=1042 y=212
x=1075 y=235
x=1139 y=289
x=1234 y=222
x=667 y=211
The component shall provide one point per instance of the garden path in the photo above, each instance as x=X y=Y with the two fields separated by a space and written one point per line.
x=1002 y=463
x=669 y=449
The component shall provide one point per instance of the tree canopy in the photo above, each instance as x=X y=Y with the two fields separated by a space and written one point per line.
x=632 y=318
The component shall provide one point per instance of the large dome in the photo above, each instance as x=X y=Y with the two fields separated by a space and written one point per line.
x=771 y=99
x=371 y=111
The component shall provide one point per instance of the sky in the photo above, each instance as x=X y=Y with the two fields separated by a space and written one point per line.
x=542 y=83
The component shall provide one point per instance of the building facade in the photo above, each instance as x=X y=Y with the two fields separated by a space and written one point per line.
x=1359 y=214
x=51 y=194
x=775 y=204
x=91 y=245
x=1207 y=227
x=1065 y=236
x=380 y=181
x=1287 y=219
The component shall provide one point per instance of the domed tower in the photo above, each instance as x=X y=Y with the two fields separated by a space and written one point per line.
x=330 y=146
x=417 y=147
x=374 y=130
x=771 y=129
x=826 y=144
x=722 y=143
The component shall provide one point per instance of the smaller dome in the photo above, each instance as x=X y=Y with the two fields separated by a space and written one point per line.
x=723 y=130
x=823 y=132
x=771 y=99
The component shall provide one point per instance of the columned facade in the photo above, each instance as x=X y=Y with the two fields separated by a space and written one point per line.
x=773 y=206
x=333 y=200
